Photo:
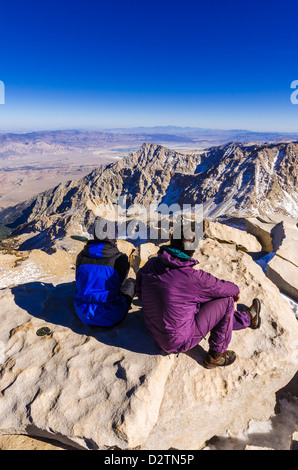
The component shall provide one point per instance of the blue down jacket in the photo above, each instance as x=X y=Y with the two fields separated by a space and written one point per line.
x=100 y=272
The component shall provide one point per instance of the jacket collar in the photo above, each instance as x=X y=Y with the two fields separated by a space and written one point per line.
x=100 y=249
x=170 y=259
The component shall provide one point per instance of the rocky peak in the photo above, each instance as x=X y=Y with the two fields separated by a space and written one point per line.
x=234 y=179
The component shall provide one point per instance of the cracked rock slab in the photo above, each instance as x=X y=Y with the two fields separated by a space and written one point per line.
x=285 y=275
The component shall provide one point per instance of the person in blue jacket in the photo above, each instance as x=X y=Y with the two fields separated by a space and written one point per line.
x=104 y=294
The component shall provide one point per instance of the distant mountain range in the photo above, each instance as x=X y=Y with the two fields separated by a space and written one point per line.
x=232 y=180
x=197 y=133
x=63 y=141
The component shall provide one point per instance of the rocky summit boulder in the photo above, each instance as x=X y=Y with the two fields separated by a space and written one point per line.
x=95 y=388
x=261 y=229
x=279 y=235
x=285 y=275
x=141 y=255
x=240 y=239
x=273 y=231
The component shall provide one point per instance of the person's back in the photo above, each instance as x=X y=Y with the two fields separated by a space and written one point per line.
x=101 y=269
x=165 y=286
x=104 y=295
x=181 y=305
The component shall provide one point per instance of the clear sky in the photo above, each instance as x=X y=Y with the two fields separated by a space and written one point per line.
x=122 y=63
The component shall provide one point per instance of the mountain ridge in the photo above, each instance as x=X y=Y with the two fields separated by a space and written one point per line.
x=234 y=179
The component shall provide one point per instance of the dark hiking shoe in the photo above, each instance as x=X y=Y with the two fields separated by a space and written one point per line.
x=255 y=314
x=214 y=359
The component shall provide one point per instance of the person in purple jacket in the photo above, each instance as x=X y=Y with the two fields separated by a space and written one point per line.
x=181 y=305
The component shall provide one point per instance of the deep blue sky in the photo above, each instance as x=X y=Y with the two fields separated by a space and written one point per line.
x=117 y=63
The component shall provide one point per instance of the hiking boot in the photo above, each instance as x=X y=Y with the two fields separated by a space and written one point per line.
x=255 y=314
x=214 y=359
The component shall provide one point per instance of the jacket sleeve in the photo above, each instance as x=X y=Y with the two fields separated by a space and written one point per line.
x=79 y=260
x=139 y=285
x=122 y=266
x=210 y=287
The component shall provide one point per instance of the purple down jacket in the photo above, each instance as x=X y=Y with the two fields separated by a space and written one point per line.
x=171 y=292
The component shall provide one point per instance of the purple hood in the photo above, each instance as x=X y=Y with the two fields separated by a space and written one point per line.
x=171 y=292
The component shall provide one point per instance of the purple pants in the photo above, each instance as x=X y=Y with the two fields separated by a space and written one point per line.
x=218 y=317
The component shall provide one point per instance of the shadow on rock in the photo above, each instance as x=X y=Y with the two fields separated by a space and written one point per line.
x=55 y=305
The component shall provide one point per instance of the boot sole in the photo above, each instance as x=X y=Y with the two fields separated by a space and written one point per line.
x=258 y=314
